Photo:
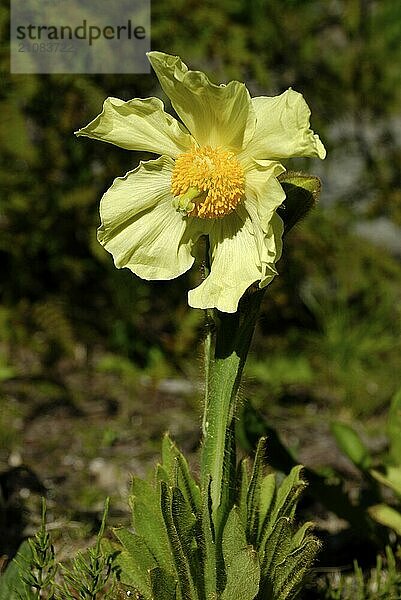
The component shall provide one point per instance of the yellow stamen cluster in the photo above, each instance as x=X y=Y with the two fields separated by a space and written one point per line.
x=207 y=182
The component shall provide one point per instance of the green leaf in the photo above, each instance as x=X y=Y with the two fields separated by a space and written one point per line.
x=168 y=458
x=302 y=193
x=291 y=571
x=161 y=474
x=234 y=537
x=288 y=493
x=11 y=583
x=187 y=484
x=134 y=561
x=286 y=498
x=163 y=584
x=176 y=466
x=350 y=443
x=386 y=515
x=267 y=500
x=243 y=484
x=184 y=521
x=301 y=535
x=243 y=575
x=228 y=481
x=276 y=547
x=391 y=479
x=207 y=545
x=148 y=522
x=253 y=499
x=181 y=559
x=394 y=428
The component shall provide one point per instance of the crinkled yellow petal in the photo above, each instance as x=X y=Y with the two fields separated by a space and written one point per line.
x=139 y=125
x=282 y=129
x=239 y=251
x=273 y=243
x=216 y=115
x=268 y=239
x=140 y=227
x=263 y=193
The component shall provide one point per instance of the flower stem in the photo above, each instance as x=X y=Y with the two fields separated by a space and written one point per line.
x=226 y=350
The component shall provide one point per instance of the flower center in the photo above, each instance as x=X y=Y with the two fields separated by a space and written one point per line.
x=207 y=182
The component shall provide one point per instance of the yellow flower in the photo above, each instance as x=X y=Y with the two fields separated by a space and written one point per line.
x=216 y=176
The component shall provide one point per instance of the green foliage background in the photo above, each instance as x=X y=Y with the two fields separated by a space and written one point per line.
x=330 y=328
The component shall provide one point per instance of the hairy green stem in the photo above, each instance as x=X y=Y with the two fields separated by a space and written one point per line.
x=226 y=350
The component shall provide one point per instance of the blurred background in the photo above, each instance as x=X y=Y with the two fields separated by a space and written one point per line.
x=95 y=364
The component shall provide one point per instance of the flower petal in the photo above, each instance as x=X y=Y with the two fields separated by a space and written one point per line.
x=139 y=125
x=273 y=243
x=263 y=192
x=268 y=239
x=239 y=250
x=140 y=227
x=282 y=128
x=216 y=115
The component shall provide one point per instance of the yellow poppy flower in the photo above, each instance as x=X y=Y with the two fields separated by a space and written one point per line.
x=216 y=176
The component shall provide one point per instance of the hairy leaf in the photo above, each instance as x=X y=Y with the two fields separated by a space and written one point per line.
x=253 y=500
x=242 y=486
x=292 y=570
x=148 y=522
x=243 y=575
x=276 y=546
x=208 y=546
x=181 y=559
x=266 y=502
x=163 y=584
x=288 y=493
x=134 y=561
x=234 y=537
x=176 y=466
